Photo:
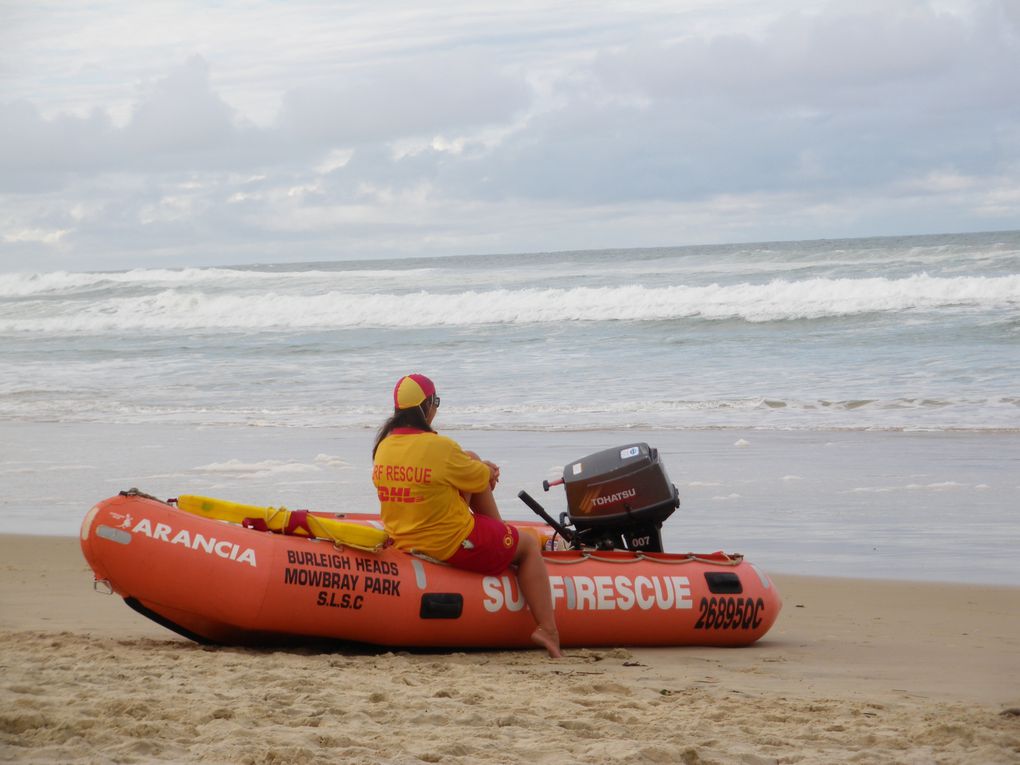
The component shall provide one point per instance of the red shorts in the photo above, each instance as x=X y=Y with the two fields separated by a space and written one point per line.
x=488 y=549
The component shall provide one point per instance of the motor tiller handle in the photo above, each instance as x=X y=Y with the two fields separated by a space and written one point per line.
x=528 y=500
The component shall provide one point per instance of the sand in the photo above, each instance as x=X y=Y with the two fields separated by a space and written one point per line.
x=854 y=671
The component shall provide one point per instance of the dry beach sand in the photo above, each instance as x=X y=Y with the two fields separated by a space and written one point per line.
x=854 y=671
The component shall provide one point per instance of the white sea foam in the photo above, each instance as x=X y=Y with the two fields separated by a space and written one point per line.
x=937 y=486
x=55 y=282
x=331 y=461
x=893 y=414
x=63 y=282
x=779 y=300
x=262 y=469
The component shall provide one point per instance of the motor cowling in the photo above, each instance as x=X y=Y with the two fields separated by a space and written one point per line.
x=619 y=498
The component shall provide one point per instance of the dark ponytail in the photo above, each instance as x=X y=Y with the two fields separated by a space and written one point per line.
x=413 y=417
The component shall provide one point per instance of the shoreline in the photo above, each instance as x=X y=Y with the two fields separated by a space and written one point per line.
x=865 y=504
x=886 y=671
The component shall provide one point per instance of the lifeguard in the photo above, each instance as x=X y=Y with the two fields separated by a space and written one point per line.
x=436 y=499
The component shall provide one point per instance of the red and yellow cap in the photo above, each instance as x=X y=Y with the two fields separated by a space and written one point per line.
x=412 y=390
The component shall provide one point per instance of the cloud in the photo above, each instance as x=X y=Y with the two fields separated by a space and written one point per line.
x=179 y=123
x=33 y=149
x=851 y=119
x=827 y=103
x=818 y=61
x=181 y=116
x=437 y=94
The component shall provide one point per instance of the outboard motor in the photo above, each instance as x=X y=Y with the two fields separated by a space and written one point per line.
x=616 y=499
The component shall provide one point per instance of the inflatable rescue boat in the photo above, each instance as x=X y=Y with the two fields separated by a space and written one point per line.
x=220 y=572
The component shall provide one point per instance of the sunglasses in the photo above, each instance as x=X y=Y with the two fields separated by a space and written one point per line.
x=435 y=400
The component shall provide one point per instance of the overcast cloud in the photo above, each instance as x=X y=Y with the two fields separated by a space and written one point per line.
x=172 y=134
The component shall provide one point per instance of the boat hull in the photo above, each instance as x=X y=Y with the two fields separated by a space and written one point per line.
x=218 y=582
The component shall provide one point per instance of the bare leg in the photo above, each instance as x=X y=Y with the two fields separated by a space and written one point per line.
x=534 y=581
x=532 y=576
x=483 y=503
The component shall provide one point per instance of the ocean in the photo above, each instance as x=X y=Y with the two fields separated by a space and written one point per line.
x=877 y=378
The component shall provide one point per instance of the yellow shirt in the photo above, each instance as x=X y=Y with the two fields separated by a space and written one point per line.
x=420 y=477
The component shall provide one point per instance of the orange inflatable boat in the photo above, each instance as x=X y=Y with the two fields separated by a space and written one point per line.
x=197 y=571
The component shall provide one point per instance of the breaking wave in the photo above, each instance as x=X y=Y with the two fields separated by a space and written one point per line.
x=56 y=283
x=778 y=300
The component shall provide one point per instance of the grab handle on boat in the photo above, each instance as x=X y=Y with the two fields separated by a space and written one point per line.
x=562 y=530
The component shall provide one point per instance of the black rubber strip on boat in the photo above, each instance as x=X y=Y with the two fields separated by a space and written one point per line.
x=162 y=621
x=723 y=583
x=441 y=605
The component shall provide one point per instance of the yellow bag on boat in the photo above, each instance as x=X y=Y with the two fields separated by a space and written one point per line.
x=284 y=521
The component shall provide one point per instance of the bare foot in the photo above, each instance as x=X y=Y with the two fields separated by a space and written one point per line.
x=550 y=641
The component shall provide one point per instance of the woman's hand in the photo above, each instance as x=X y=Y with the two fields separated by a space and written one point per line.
x=493 y=469
x=493 y=473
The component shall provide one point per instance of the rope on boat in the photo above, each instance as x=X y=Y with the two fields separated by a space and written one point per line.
x=731 y=560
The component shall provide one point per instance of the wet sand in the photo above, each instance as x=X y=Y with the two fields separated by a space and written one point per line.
x=854 y=671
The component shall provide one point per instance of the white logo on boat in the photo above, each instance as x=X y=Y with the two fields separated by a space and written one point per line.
x=595 y=593
x=224 y=548
x=125 y=520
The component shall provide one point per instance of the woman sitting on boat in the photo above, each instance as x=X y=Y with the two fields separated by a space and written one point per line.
x=436 y=499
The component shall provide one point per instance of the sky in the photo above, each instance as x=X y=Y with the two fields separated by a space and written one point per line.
x=171 y=134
